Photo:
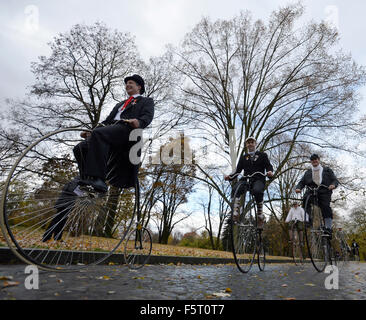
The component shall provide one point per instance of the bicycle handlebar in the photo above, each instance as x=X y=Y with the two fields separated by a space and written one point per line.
x=248 y=176
x=318 y=187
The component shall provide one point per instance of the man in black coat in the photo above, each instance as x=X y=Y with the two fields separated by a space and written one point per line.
x=250 y=162
x=113 y=135
x=105 y=154
x=313 y=178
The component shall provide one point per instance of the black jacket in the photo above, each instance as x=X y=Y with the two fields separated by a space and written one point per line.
x=259 y=162
x=141 y=108
x=121 y=172
x=328 y=178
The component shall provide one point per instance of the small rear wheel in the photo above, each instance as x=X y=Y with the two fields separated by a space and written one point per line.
x=138 y=246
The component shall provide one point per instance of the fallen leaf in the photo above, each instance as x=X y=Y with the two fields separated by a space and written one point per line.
x=290 y=298
x=52 y=276
x=310 y=284
x=60 y=281
x=198 y=277
x=106 y=277
x=228 y=290
x=141 y=278
x=284 y=285
x=111 y=292
x=10 y=284
x=359 y=290
x=57 y=294
x=221 y=294
x=6 y=278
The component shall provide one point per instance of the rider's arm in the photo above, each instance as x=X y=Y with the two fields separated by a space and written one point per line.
x=112 y=114
x=301 y=183
x=289 y=216
x=267 y=163
x=146 y=114
x=333 y=178
x=239 y=168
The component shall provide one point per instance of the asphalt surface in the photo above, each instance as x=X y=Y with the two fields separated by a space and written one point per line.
x=187 y=282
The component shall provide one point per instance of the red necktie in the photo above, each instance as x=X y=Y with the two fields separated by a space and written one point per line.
x=127 y=102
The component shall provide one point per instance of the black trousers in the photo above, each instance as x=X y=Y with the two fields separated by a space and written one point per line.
x=64 y=205
x=257 y=190
x=92 y=155
x=323 y=203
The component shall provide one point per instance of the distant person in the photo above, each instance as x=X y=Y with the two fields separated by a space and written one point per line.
x=355 y=248
x=250 y=162
x=314 y=177
x=296 y=217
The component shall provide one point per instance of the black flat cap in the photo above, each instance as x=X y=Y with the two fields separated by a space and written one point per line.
x=138 y=80
x=314 y=156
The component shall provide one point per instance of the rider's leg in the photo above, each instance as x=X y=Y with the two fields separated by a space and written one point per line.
x=324 y=205
x=236 y=200
x=258 y=192
x=63 y=205
x=308 y=217
x=290 y=233
x=100 y=142
x=80 y=152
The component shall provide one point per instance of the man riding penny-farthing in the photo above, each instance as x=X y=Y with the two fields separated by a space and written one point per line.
x=51 y=221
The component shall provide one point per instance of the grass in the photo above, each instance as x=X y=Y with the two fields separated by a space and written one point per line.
x=99 y=244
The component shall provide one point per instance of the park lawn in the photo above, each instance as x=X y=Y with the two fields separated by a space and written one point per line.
x=101 y=244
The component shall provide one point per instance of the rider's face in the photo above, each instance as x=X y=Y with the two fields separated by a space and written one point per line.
x=132 y=87
x=315 y=162
x=251 y=144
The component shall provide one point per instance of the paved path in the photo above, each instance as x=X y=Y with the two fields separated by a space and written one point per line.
x=207 y=282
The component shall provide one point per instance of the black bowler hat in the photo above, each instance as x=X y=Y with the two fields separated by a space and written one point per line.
x=138 y=80
x=314 y=156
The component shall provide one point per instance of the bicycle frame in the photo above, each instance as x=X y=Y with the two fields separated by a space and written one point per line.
x=252 y=232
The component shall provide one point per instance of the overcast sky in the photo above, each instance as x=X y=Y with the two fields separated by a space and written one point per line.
x=27 y=26
x=154 y=23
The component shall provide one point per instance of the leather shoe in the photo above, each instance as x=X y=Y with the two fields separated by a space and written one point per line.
x=97 y=183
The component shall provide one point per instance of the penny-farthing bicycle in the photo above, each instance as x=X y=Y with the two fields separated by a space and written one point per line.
x=47 y=219
x=321 y=247
x=246 y=238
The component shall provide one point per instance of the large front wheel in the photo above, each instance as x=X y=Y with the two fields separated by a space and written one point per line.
x=244 y=230
x=49 y=220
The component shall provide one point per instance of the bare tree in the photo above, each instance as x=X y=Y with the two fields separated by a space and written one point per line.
x=214 y=214
x=173 y=183
x=247 y=78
